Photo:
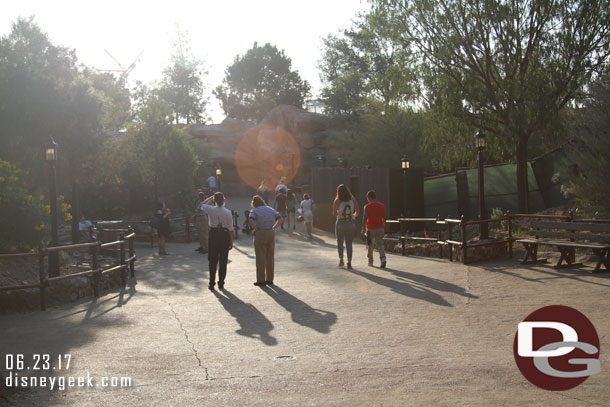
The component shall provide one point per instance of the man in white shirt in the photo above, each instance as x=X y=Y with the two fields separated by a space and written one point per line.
x=220 y=239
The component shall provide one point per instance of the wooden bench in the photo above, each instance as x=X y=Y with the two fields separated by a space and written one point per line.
x=567 y=237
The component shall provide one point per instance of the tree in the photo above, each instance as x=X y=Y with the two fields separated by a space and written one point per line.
x=516 y=64
x=587 y=178
x=182 y=87
x=369 y=87
x=258 y=81
x=114 y=97
x=43 y=93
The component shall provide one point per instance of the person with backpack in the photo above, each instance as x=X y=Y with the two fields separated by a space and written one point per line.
x=281 y=204
x=373 y=223
x=345 y=208
x=291 y=212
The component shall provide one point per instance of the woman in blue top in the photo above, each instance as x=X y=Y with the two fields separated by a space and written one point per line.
x=346 y=209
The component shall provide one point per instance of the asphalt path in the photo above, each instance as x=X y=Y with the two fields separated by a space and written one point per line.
x=423 y=331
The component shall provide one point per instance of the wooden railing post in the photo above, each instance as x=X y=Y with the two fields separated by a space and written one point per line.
x=188 y=229
x=440 y=237
x=122 y=257
x=450 y=237
x=572 y=250
x=402 y=236
x=132 y=269
x=510 y=234
x=96 y=270
x=42 y=276
x=464 y=239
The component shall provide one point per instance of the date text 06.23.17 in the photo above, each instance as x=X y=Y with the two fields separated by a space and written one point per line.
x=43 y=361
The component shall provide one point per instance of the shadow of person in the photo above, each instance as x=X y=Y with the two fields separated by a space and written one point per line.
x=406 y=289
x=301 y=312
x=250 y=256
x=252 y=322
x=432 y=283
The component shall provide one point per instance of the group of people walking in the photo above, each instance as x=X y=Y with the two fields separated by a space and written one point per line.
x=346 y=210
x=215 y=224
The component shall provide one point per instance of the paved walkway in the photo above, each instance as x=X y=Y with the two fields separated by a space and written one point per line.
x=421 y=332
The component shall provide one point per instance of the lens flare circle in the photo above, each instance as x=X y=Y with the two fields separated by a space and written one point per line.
x=267 y=153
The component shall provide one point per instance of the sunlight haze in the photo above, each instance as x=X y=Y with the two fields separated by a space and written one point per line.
x=218 y=31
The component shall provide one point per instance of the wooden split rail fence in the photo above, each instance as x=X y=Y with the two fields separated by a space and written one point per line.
x=126 y=264
x=564 y=233
x=441 y=232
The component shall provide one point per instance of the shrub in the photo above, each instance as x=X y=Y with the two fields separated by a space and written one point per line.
x=24 y=216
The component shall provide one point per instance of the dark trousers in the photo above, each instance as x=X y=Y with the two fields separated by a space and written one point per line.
x=218 y=253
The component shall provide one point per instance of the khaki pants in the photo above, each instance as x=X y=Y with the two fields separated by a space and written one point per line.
x=264 y=249
x=376 y=240
x=203 y=230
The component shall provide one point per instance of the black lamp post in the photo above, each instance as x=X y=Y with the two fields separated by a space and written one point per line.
x=480 y=145
x=51 y=157
x=218 y=174
x=405 y=165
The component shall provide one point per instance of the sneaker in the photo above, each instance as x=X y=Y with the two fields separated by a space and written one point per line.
x=259 y=283
x=370 y=262
x=341 y=264
x=349 y=265
x=221 y=285
x=211 y=287
x=269 y=282
x=382 y=264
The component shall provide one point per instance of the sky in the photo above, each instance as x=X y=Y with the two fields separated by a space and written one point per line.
x=218 y=31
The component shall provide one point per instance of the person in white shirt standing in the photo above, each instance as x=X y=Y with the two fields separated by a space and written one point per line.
x=220 y=239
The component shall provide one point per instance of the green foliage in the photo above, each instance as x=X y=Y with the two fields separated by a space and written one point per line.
x=43 y=93
x=587 y=178
x=258 y=81
x=114 y=99
x=382 y=138
x=182 y=87
x=24 y=216
x=498 y=213
x=152 y=161
x=364 y=64
x=369 y=86
x=510 y=68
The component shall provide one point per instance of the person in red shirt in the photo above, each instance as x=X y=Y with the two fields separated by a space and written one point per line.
x=373 y=223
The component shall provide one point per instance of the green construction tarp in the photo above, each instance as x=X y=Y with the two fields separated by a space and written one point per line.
x=456 y=194
x=440 y=197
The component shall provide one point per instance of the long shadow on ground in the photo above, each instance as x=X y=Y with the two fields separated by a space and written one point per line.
x=431 y=283
x=253 y=323
x=178 y=271
x=301 y=312
x=547 y=272
x=415 y=290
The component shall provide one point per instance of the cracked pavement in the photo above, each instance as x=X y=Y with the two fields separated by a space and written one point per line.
x=421 y=332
